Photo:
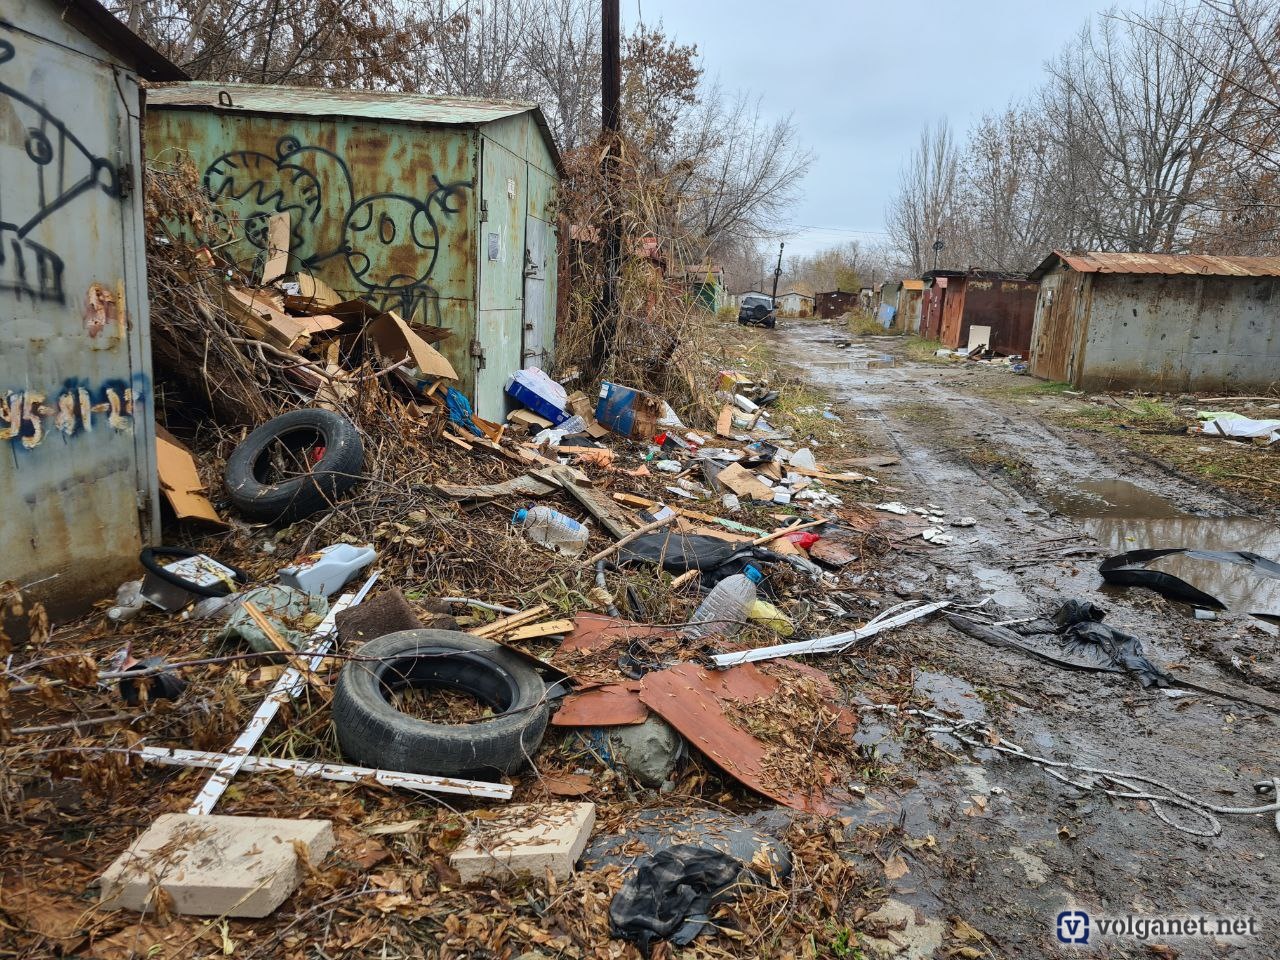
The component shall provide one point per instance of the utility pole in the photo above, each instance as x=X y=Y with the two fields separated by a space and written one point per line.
x=605 y=316
x=777 y=272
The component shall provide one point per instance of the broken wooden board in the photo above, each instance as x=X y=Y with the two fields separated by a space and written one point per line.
x=846 y=477
x=507 y=624
x=608 y=514
x=180 y=480
x=548 y=628
x=635 y=501
x=835 y=552
x=744 y=483
x=691 y=699
x=256 y=313
x=523 y=486
x=278 y=243
x=873 y=462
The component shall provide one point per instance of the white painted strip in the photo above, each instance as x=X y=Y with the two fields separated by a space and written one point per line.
x=288 y=686
x=831 y=644
x=177 y=757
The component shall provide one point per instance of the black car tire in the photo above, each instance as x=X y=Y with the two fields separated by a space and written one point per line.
x=337 y=471
x=372 y=732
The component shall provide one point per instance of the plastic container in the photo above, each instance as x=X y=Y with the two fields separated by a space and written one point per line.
x=551 y=528
x=325 y=572
x=537 y=391
x=724 y=610
x=767 y=615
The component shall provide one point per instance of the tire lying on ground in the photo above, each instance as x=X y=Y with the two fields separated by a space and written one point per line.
x=374 y=733
x=274 y=475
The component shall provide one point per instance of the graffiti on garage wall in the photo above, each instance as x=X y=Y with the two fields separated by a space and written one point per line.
x=57 y=168
x=390 y=242
x=29 y=418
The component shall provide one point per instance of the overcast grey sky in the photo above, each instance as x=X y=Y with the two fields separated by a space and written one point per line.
x=861 y=77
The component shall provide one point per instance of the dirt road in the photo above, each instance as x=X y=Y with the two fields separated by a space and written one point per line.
x=997 y=842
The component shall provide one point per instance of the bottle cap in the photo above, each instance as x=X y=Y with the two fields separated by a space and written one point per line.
x=752 y=574
x=519 y=516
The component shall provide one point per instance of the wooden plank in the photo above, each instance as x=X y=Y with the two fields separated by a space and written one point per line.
x=533 y=631
x=509 y=623
x=598 y=505
x=635 y=501
x=281 y=644
x=724 y=422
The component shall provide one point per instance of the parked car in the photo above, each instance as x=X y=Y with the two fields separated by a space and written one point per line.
x=756 y=311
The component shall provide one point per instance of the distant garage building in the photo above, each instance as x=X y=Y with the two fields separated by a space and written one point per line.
x=957 y=301
x=834 y=303
x=1166 y=322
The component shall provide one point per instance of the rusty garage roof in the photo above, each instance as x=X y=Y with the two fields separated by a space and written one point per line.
x=1161 y=263
x=367 y=104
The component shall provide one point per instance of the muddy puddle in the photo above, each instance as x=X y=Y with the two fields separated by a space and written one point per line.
x=1123 y=516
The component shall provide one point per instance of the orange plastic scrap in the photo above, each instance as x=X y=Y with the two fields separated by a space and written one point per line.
x=691 y=699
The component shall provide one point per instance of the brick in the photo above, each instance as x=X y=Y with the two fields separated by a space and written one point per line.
x=215 y=865
x=527 y=840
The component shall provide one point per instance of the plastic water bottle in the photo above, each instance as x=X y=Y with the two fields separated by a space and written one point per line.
x=725 y=608
x=552 y=529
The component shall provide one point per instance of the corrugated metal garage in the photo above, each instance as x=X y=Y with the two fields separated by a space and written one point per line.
x=1163 y=322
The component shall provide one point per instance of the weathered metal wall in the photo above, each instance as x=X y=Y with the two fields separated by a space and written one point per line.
x=499 y=322
x=78 y=464
x=1006 y=306
x=378 y=209
x=834 y=303
x=1182 y=333
x=931 y=307
x=909 y=308
x=1061 y=321
x=952 y=317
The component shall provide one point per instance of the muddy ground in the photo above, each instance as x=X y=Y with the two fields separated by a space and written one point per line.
x=997 y=842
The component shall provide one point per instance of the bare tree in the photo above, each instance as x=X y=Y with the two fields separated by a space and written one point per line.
x=1143 y=114
x=922 y=209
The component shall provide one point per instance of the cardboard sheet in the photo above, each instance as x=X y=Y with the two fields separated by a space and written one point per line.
x=180 y=481
x=744 y=483
x=396 y=339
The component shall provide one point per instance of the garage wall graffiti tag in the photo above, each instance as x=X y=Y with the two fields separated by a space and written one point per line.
x=29 y=417
x=56 y=169
x=390 y=242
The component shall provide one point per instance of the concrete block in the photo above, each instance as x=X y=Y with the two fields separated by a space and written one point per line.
x=527 y=840
x=215 y=865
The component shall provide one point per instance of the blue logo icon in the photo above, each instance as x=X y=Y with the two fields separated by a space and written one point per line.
x=1073 y=926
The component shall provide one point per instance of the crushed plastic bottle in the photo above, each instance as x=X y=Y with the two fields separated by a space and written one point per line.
x=724 y=610
x=552 y=529
x=129 y=602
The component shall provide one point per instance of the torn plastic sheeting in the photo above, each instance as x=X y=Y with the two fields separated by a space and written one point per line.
x=1085 y=635
x=1129 y=570
x=1237 y=425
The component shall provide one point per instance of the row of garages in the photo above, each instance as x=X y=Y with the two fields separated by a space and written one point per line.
x=1164 y=322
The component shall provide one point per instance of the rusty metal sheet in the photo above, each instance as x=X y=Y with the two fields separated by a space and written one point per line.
x=595 y=631
x=608 y=705
x=686 y=697
x=78 y=464
x=1165 y=263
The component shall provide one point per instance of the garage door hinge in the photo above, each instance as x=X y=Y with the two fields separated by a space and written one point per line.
x=484 y=211
x=477 y=352
x=124 y=181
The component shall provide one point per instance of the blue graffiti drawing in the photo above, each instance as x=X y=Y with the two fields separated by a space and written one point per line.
x=29 y=417
x=390 y=241
x=60 y=169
